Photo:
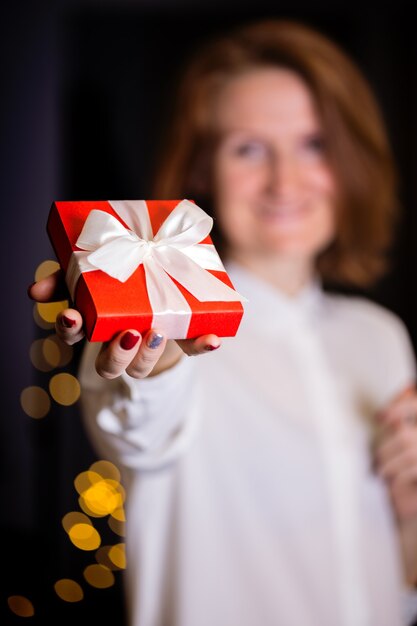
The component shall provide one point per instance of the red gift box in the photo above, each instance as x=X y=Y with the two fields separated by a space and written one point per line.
x=154 y=295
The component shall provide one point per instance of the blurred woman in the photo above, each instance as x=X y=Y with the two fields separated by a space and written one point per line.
x=274 y=480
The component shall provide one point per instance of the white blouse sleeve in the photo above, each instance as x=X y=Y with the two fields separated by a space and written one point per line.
x=138 y=424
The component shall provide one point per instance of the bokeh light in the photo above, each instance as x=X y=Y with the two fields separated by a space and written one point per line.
x=68 y=590
x=85 y=480
x=21 y=606
x=64 y=388
x=37 y=356
x=99 y=576
x=74 y=517
x=106 y=469
x=117 y=555
x=119 y=514
x=49 y=310
x=84 y=536
x=46 y=268
x=41 y=322
x=35 y=401
x=118 y=527
x=102 y=557
x=56 y=352
x=102 y=498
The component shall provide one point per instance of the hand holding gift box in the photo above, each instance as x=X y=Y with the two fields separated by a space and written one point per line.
x=121 y=276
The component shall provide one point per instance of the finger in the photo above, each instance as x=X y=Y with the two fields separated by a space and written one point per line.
x=69 y=326
x=147 y=356
x=201 y=345
x=49 y=289
x=115 y=356
x=404 y=404
x=401 y=439
x=392 y=468
x=407 y=476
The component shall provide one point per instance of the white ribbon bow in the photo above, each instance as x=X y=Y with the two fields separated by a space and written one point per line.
x=175 y=251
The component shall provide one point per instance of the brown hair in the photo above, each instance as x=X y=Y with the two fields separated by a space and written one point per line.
x=356 y=140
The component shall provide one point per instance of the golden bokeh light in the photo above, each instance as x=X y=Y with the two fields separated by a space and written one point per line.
x=102 y=557
x=21 y=606
x=102 y=498
x=56 y=352
x=119 y=514
x=84 y=536
x=106 y=469
x=117 y=555
x=41 y=322
x=35 y=401
x=68 y=590
x=85 y=480
x=49 y=310
x=37 y=356
x=64 y=388
x=46 y=268
x=74 y=517
x=99 y=576
x=118 y=527
x=51 y=352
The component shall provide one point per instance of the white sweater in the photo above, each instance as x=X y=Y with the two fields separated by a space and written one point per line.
x=252 y=500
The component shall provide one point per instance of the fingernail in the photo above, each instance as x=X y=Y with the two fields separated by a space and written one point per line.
x=129 y=341
x=154 y=340
x=210 y=348
x=67 y=321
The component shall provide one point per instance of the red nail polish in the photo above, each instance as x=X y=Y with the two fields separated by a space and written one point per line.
x=210 y=348
x=129 y=341
x=68 y=322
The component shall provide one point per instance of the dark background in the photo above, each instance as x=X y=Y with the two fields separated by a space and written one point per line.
x=86 y=91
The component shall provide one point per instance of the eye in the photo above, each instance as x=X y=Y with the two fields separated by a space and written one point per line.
x=253 y=150
x=314 y=143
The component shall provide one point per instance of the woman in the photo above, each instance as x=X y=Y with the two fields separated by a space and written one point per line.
x=271 y=482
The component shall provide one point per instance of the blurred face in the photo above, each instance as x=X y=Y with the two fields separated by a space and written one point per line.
x=274 y=189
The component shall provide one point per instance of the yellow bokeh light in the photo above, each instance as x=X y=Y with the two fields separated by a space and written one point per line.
x=74 y=517
x=49 y=310
x=117 y=527
x=101 y=499
x=84 y=536
x=106 y=470
x=99 y=576
x=46 y=268
x=51 y=352
x=68 y=590
x=119 y=514
x=39 y=321
x=37 y=356
x=56 y=352
x=35 y=401
x=117 y=554
x=84 y=480
x=21 y=606
x=64 y=388
x=102 y=557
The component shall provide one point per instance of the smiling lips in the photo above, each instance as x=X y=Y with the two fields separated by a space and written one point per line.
x=282 y=214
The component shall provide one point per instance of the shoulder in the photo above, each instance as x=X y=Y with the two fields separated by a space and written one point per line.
x=370 y=326
x=375 y=340
x=365 y=315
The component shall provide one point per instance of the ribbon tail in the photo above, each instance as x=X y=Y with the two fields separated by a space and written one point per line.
x=171 y=311
x=198 y=281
